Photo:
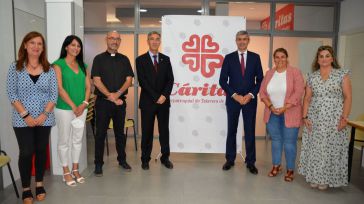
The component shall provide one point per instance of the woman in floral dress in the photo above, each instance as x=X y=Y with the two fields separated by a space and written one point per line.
x=326 y=107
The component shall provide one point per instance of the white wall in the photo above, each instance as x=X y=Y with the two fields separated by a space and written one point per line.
x=351 y=16
x=351 y=52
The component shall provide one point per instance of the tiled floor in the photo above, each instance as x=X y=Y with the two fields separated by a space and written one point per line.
x=196 y=178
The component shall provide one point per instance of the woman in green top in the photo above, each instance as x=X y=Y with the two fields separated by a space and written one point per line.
x=74 y=87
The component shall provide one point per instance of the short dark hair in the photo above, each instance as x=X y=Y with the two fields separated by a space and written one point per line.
x=282 y=50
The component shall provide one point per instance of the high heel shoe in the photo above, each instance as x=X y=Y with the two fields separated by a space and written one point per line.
x=289 y=176
x=275 y=171
x=27 y=197
x=40 y=193
x=80 y=179
x=71 y=183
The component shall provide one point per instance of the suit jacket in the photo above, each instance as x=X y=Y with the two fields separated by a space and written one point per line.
x=294 y=93
x=232 y=81
x=154 y=84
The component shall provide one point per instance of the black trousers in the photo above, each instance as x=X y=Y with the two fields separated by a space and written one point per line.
x=249 y=117
x=32 y=140
x=106 y=110
x=148 y=117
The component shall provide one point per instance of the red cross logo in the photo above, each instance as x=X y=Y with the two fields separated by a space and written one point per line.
x=202 y=53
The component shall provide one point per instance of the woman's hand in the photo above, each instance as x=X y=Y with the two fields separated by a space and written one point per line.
x=30 y=121
x=40 y=119
x=278 y=111
x=308 y=124
x=79 y=110
x=342 y=123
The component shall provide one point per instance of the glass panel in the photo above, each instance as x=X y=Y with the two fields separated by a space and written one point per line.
x=24 y=23
x=99 y=14
x=96 y=44
x=301 y=50
x=151 y=11
x=260 y=45
x=304 y=18
x=255 y=13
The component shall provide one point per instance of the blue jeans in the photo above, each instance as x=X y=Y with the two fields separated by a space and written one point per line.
x=282 y=137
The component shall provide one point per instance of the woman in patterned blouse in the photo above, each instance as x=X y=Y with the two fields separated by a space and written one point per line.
x=32 y=91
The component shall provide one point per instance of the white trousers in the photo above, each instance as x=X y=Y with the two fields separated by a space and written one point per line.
x=69 y=137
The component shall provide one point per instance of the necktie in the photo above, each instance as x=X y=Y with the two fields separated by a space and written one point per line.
x=155 y=63
x=242 y=64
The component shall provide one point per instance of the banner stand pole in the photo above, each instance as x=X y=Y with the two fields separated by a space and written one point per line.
x=242 y=156
x=158 y=156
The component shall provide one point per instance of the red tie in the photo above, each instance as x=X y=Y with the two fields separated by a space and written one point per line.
x=155 y=63
x=242 y=64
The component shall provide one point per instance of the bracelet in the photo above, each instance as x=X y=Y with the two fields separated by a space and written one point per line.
x=85 y=102
x=22 y=114
x=26 y=115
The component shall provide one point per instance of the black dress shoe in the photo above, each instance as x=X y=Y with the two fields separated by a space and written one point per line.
x=227 y=165
x=98 y=170
x=252 y=169
x=125 y=166
x=145 y=165
x=168 y=164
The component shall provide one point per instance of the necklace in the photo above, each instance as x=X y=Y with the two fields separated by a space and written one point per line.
x=34 y=67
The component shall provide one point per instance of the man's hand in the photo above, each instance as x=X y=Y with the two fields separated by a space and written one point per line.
x=238 y=98
x=161 y=99
x=246 y=99
x=119 y=102
x=113 y=96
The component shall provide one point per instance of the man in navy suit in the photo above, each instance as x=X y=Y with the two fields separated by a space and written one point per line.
x=240 y=77
x=156 y=80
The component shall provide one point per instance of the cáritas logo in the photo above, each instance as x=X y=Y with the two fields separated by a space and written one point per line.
x=201 y=54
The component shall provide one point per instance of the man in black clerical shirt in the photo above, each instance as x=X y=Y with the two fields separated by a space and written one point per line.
x=112 y=76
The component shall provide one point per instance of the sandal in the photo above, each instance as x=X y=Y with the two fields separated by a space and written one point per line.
x=275 y=171
x=289 y=176
x=71 y=183
x=80 y=179
x=323 y=187
x=40 y=193
x=27 y=197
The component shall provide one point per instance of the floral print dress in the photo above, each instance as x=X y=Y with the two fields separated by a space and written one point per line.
x=324 y=151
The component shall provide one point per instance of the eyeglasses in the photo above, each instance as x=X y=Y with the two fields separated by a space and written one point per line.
x=114 y=39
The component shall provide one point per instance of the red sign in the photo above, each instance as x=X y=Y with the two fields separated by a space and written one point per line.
x=284 y=19
x=201 y=53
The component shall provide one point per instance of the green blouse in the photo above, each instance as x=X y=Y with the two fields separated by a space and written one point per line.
x=73 y=83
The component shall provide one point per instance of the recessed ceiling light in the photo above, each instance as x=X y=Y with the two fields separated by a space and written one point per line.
x=199 y=11
x=143 y=10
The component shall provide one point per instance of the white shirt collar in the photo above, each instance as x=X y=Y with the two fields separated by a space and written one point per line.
x=245 y=52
